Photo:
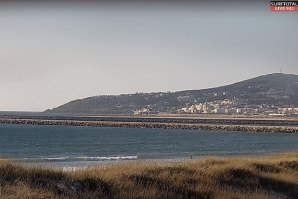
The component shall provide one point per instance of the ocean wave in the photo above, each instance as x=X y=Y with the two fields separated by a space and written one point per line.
x=56 y=158
x=81 y=158
x=110 y=158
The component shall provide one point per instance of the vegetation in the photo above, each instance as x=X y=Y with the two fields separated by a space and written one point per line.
x=238 y=177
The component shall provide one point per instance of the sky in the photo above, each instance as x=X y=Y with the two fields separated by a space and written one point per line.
x=52 y=53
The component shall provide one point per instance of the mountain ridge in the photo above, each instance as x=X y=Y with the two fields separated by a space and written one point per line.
x=271 y=89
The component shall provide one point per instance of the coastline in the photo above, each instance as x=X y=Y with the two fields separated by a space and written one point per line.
x=89 y=165
x=80 y=166
x=162 y=125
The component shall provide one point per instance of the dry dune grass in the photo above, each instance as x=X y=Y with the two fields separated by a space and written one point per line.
x=239 y=177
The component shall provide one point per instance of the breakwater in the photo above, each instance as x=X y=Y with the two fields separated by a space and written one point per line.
x=182 y=120
x=161 y=125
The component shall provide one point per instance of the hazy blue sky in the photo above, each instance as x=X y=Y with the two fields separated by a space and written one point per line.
x=53 y=53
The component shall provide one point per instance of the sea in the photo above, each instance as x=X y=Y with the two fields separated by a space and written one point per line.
x=73 y=147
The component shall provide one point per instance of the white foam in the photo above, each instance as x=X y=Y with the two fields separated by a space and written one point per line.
x=56 y=158
x=85 y=158
x=110 y=158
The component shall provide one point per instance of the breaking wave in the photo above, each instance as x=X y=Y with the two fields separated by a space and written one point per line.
x=81 y=158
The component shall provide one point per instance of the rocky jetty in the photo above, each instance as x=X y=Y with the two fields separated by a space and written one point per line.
x=161 y=125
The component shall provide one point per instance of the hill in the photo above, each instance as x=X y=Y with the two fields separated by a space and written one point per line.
x=271 y=90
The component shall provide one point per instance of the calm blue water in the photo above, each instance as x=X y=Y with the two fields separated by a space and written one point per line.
x=56 y=144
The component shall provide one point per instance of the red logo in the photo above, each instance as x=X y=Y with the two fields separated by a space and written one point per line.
x=283 y=6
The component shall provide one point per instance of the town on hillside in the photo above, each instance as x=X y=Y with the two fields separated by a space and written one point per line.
x=227 y=107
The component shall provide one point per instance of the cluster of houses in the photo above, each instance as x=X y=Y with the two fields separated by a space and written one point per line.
x=225 y=107
x=233 y=107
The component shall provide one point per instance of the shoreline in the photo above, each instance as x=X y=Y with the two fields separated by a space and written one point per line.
x=159 y=125
x=89 y=165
